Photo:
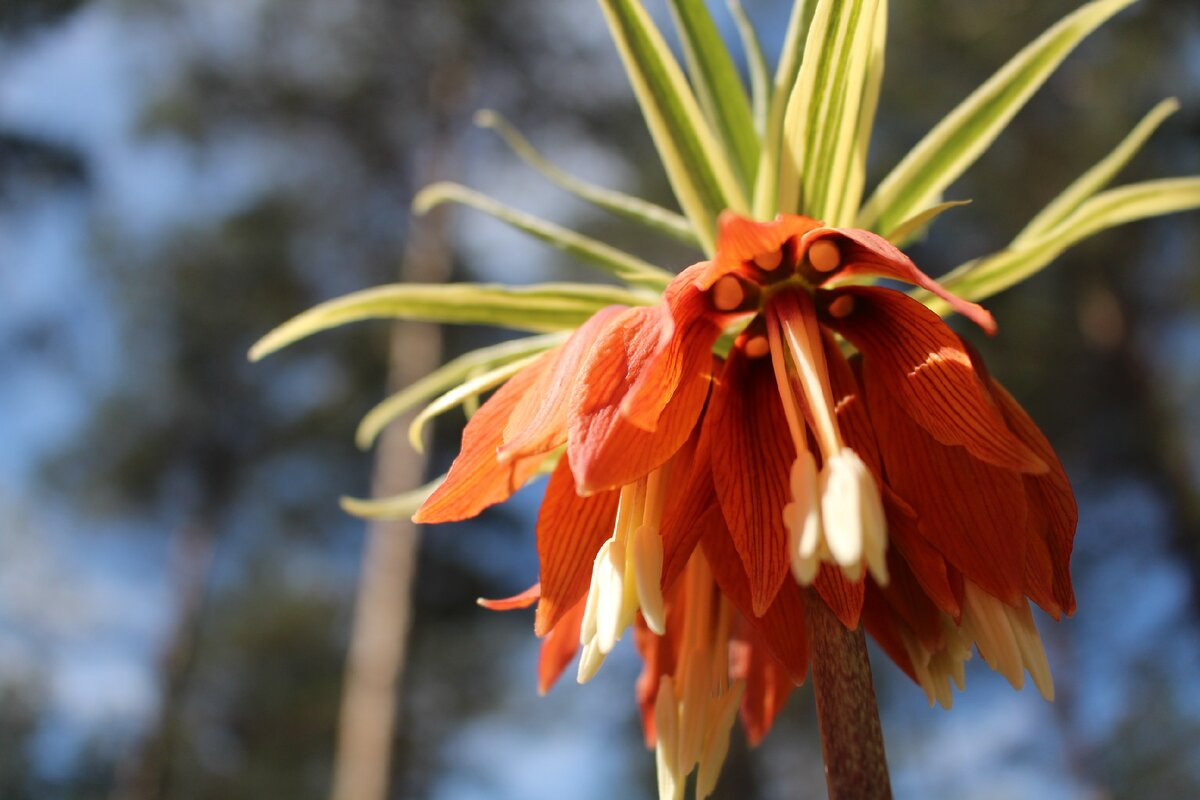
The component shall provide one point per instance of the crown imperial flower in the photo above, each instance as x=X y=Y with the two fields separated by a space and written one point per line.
x=757 y=458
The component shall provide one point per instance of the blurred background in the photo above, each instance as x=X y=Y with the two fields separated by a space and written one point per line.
x=177 y=584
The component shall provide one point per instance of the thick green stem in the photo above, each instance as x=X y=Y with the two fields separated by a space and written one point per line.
x=851 y=738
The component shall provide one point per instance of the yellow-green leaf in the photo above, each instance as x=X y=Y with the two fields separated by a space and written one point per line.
x=756 y=62
x=718 y=85
x=856 y=178
x=628 y=268
x=449 y=374
x=983 y=277
x=909 y=229
x=700 y=174
x=635 y=209
x=400 y=506
x=966 y=132
x=540 y=308
x=821 y=125
x=1100 y=175
x=773 y=161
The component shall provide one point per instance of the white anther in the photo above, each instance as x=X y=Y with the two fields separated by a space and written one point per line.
x=802 y=517
x=852 y=516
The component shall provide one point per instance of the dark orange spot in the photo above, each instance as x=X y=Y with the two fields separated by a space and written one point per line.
x=842 y=307
x=728 y=294
x=757 y=347
x=768 y=261
x=824 y=256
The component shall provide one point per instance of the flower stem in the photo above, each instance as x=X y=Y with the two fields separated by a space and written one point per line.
x=851 y=738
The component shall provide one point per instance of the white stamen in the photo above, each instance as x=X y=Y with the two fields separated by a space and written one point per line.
x=647 y=556
x=935 y=669
x=853 y=518
x=695 y=709
x=716 y=739
x=1033 y=653
x=627 y=572
x=802 y=517
x=671 y=779
x=1007 y=638
x=590 y=661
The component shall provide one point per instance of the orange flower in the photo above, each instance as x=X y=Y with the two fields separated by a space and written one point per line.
x=903 y=484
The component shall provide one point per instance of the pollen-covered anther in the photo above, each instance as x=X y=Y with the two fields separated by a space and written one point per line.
x=802 y=517
x=769 y=261
x=824 y=255
x=626 y=575
x=728 y=294
x=842 y=307
x=852 y=516
x=757 y=347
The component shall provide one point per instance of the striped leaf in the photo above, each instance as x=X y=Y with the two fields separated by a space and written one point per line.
x=913 y=226
x=448 y=375
x=718 y=85
x=984 y=277
x=760 y=76
x=540 y=308
x=625 y=266
x=966 y=132
x=400 y=506
x=634 y=209
x=700 y=174
x=774 y=161
x=1098 y=176
x=821 y=125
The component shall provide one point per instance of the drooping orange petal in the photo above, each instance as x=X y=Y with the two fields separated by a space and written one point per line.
x=740 y=240
x=1053 y=515
x=477 y=479
x=522 y=600
x=843 y=596
x=752 y=455
x=927 y=565
x=924 y=365
x=866 y=253
x=908 y=599
x=538 y=422
x=767 y=682
x=690 y=496
x=606 y=449
x=971 y=512
x=687 y=326
x=781 y=627
x=570 y=531
x=559 y=647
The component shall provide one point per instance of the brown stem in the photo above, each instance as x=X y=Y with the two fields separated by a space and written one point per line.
x=851 y=739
